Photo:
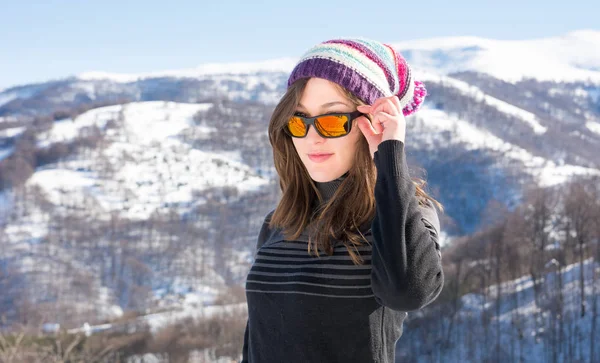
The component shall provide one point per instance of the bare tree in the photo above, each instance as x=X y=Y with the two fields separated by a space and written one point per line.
x=579 y=209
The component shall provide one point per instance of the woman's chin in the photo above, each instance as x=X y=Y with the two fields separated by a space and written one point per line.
x=322 y=177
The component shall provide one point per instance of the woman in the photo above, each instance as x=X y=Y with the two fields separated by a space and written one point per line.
x=352 y=245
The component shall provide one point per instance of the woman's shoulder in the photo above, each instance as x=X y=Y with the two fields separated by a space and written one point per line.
x=265 y=231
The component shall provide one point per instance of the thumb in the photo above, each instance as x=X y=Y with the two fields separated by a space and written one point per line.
x=367 y=129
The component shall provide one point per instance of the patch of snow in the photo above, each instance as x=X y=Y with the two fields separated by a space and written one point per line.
x=151 y=167
x=12 y=132
x=593 y=126
x=476 y=93
x=578 y=59
x=273 y=65
x=6 y=152
x=431 y=122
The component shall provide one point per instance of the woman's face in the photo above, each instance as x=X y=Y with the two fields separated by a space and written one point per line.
x=321 y=96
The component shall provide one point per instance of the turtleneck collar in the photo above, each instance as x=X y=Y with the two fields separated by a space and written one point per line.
x=327 y=189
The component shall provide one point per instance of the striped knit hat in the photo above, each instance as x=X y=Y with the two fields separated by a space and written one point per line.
x=366 y=68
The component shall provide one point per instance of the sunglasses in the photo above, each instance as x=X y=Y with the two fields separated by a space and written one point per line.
x=330 y=125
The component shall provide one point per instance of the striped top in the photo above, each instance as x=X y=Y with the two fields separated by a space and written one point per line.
x=303 y=308
x=286 y=267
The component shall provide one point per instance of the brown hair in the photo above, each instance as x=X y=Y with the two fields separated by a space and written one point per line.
x=352 y=205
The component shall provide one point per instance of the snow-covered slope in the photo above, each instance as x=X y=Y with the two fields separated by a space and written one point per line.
x=430 y=123
x=134 y=163
x=550 y=132
x=146 y=166
x=570 y=57
x=471 y=334
x=475 y=93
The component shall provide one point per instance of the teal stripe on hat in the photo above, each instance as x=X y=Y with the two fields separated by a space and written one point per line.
x=323 y=49
x=385 y=55
x=380 y=80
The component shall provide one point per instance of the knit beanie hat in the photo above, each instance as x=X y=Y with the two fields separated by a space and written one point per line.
x=367 y=68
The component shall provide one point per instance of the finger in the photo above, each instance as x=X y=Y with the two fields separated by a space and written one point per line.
x=368 y=109
x=385 y=120
x=364 y=108
x=386 y=105
x=367 y=129
x=371 y=108
x=376 y=124
x=377 y=104
x=364 y=123
x=396 y=102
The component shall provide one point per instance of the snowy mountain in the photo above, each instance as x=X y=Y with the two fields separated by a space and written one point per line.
x=210 y=69
x=132 y=195
x=571 y=57
x=152 y=167
x=536 y=128
x=568 y=58
x=126 y=186
x=547 y=123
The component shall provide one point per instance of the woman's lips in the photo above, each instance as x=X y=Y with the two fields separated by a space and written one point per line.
x=319 y=158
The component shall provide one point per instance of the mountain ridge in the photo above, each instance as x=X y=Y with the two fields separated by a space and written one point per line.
x=503 y=59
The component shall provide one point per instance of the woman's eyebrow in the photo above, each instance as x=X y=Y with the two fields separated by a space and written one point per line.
x=328 y=104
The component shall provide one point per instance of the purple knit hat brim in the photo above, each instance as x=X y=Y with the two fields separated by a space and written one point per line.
x=337 y=73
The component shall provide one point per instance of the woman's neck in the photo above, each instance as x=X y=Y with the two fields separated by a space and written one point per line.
x=328 y=189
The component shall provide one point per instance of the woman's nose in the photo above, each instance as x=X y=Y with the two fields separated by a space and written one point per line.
x=313 y=134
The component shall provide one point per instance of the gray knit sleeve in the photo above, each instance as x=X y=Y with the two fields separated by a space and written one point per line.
x=406 y=263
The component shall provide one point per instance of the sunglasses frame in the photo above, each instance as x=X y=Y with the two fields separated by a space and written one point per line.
x=312 y=121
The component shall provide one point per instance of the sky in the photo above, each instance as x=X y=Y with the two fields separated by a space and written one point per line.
x=52 y=39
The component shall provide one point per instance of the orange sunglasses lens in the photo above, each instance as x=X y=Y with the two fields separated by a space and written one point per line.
x=296 y=126
x=333 y=125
